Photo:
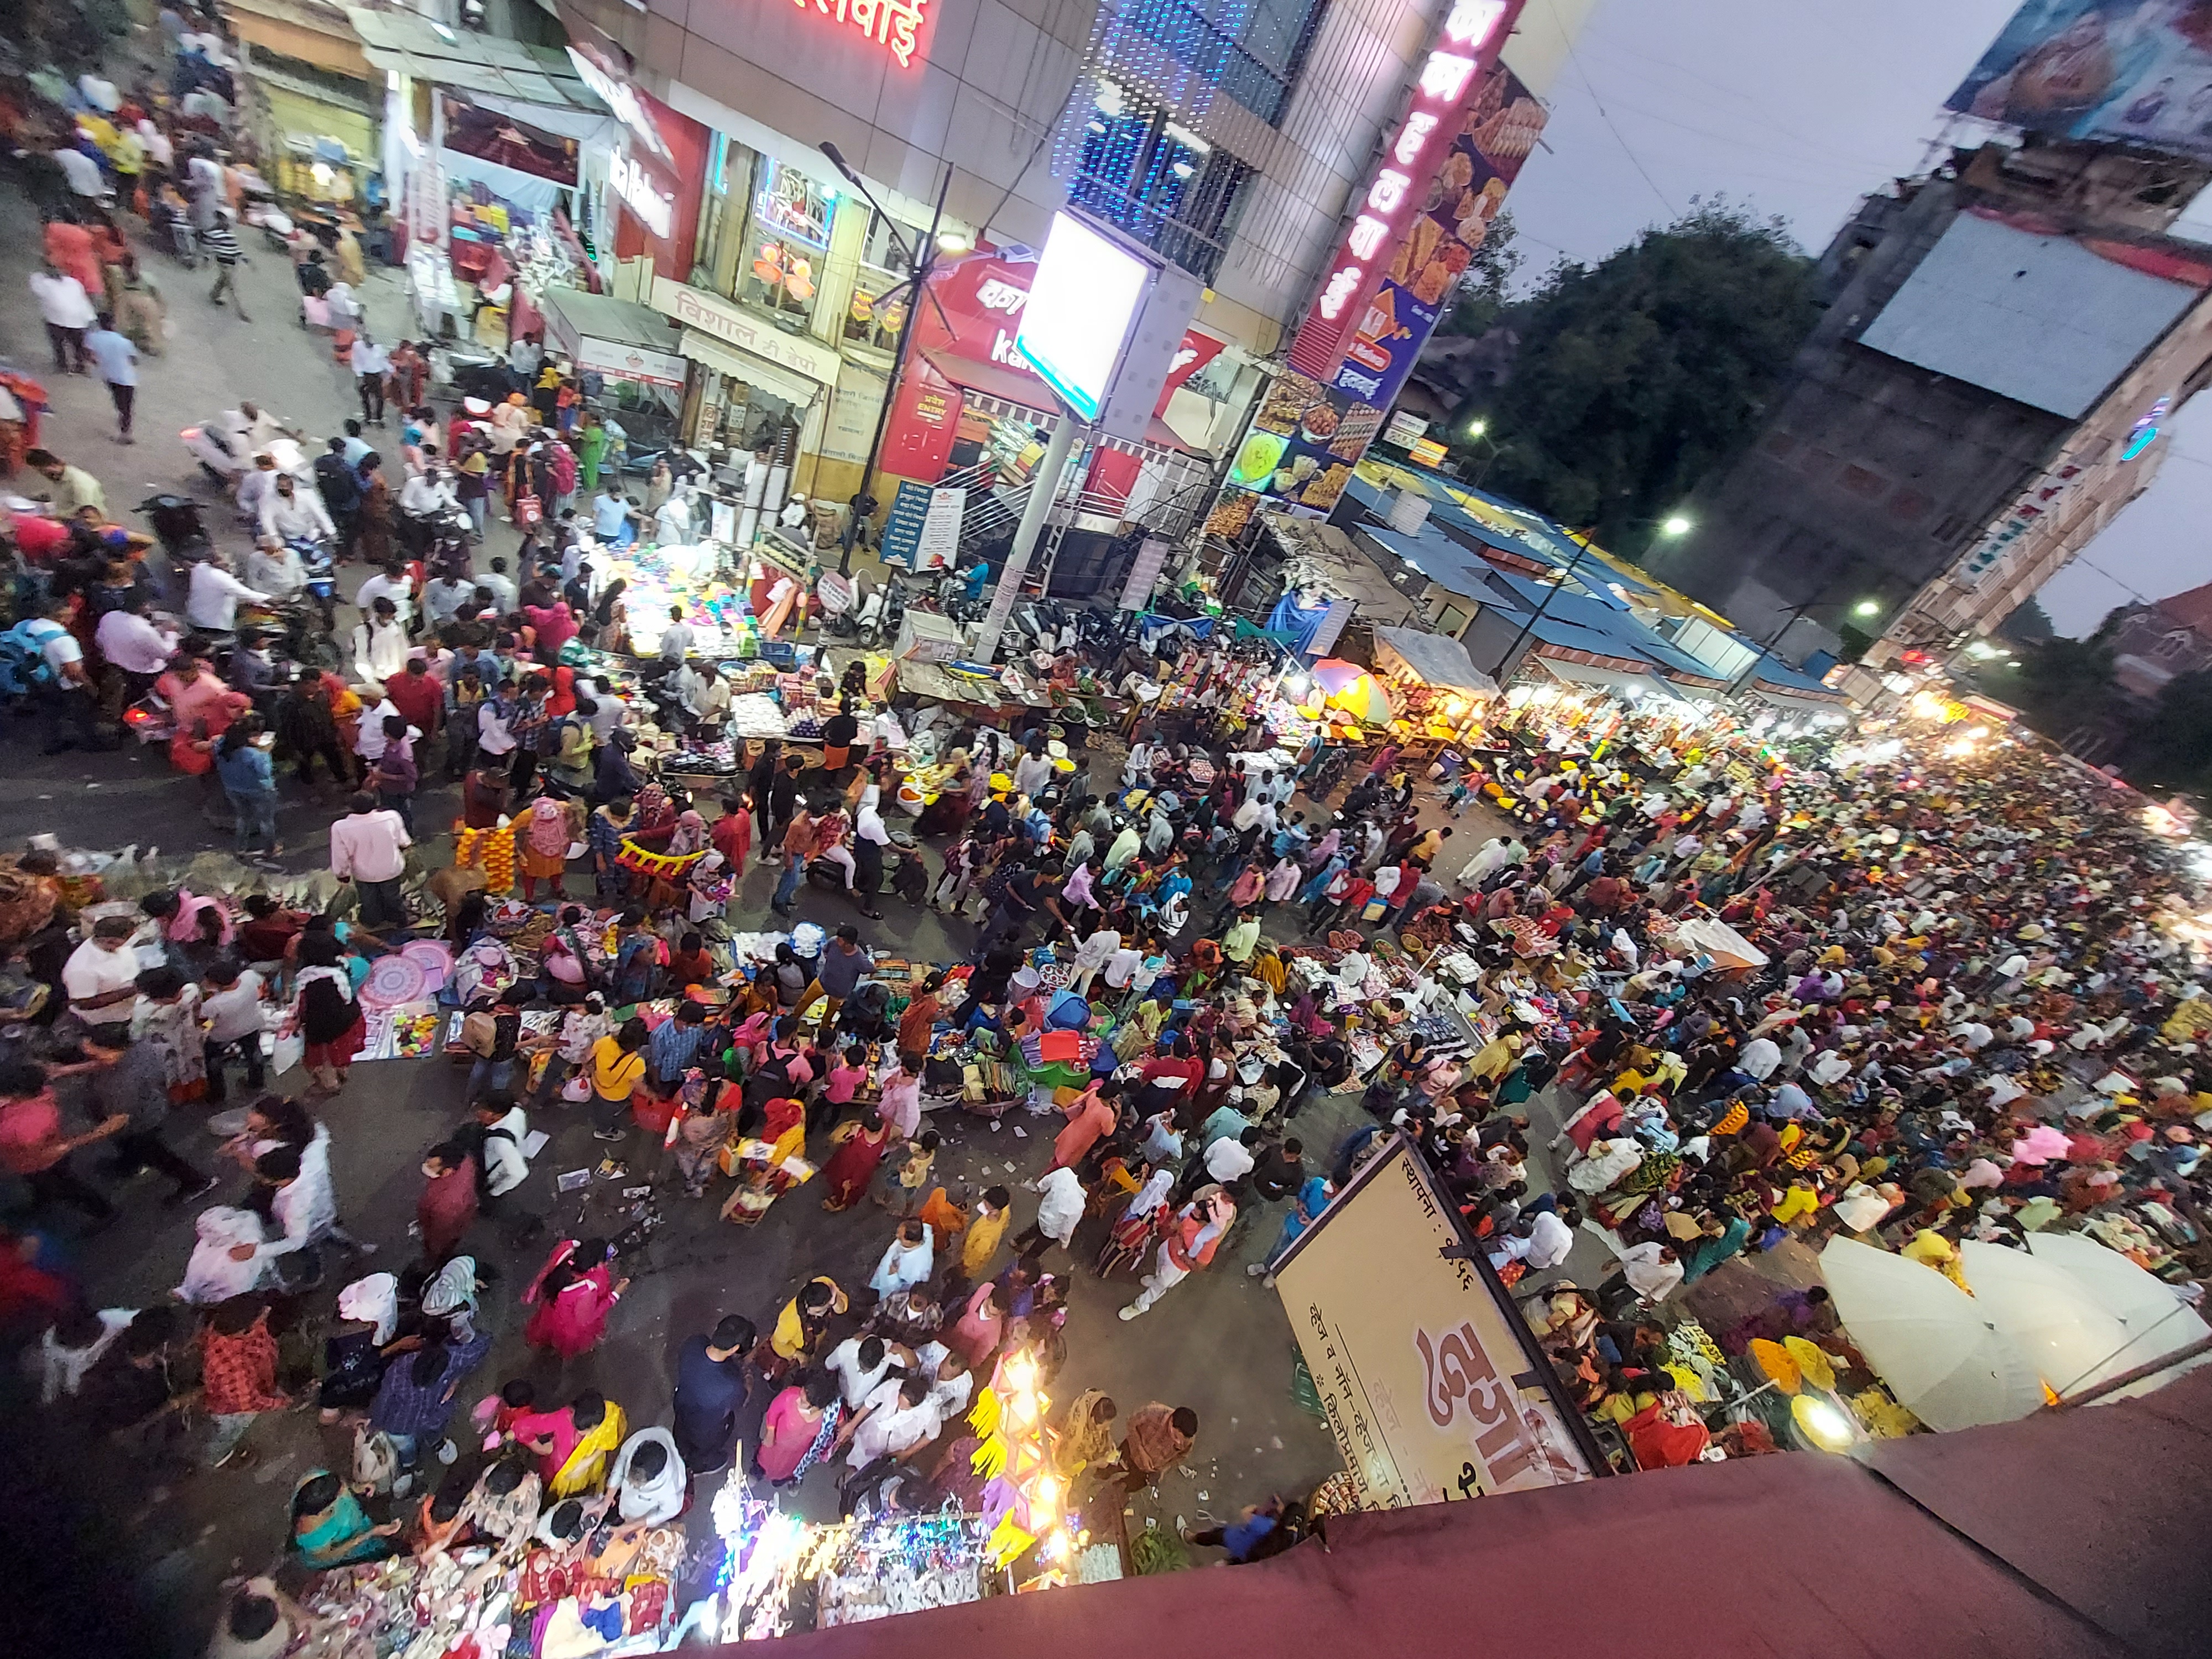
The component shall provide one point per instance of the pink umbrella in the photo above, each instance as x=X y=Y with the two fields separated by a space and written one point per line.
x=1332 y=674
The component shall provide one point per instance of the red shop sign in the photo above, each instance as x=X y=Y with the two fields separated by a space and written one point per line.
x=1465 y=50
x=974 y=310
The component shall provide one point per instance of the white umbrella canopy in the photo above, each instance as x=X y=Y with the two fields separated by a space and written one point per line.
x=2157 y=1321
x=1941 y=1355
x=2055 y=1323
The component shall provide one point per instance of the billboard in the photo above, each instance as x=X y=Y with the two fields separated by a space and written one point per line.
x=2134 y=70
x=1433 y=1386
x=1310 y=433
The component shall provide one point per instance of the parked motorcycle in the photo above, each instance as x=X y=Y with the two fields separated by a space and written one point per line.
x=177 y=525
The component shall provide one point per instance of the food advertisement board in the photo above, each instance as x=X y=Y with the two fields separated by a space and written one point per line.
x=1307 y=436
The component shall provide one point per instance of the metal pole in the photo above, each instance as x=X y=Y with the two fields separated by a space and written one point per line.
x=1044 y=485
x=1498 y=668
x=928 y=258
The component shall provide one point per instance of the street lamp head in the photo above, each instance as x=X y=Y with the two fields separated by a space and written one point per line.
x=1674 y=524
x=837 y=161
x=1867 y=608
x=1476 y=429
x=952 y=241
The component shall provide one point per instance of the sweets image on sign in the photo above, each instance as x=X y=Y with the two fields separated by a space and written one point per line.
x=1286 y=401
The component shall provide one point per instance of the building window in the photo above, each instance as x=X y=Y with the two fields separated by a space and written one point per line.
x=722 y=214
x=877 y=314
x=1157 y=179
x=1251 y=50
x=786 y=241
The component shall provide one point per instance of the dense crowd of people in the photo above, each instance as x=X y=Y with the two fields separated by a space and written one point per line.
x=1968 y=1007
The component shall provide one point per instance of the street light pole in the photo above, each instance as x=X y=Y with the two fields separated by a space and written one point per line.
x=1481 y=430
x=1673 y=525
x=918 y=266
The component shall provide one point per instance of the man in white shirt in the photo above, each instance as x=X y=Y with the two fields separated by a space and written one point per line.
x=275 y=570
x=368 y=848
x=67 y=311
x=233 y=1012
x=379 y=644
x=500 y=586
x=255 y=485
x=304 y=1210
x=1759 y=1059
x=444 y=596
x=82 y=171
x=1544 y=1244
x=131 y=643
x=897 y=1417
x=212 y=603
x=428 y=492
x=1230 y=1159
x=389 y=583
x=370 y=363
x=859 y=1364
x=1652 y=1270
x=676 y=639
x=370 y=745
x=291 y=512
x=101 y=974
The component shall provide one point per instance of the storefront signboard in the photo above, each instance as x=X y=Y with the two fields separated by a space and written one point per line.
x=909 y=512
x=894 y=25
x=1144 y=572
x=1430 y=1390
x=619 y=361
x=939 y=542
x=654 y=208
x=714 y=316
x=618 y=96
x=1408 y=178
x=1312 y=428
x=1405 y=429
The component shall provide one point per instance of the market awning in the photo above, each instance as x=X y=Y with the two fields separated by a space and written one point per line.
x=321 y=36
x=1795 y=702
x=1610 y=680
x=573 y=313
x=400 y=41
x=787 y=383
x=1029 y=394
x=1437 y=660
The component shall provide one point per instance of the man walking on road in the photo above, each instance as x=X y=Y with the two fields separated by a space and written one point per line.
x=370 y=366
x=68 y=312
x=118 y=365
x=368 y=848
x=220 y=242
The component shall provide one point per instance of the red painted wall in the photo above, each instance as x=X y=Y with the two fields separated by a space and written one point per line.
x=682 y=176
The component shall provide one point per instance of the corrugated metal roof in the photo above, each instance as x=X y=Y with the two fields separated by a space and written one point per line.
x=470 y=62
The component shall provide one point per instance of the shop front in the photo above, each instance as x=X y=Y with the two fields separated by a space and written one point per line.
x=970 y=410
x=625 y=356
x=758 y=390
x=315 y=100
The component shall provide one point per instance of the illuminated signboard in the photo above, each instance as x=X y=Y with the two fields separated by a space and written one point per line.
x=621 y=98
x=655 y=212
x=895 y=25
x=1473 y=32
x=1086 y=292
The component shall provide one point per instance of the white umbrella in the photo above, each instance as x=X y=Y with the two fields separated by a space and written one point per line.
x=2057 y=1327
x=1943 y=1357
x=2157 y=1321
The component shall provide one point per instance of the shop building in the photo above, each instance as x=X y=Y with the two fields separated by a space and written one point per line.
x=1231 y=139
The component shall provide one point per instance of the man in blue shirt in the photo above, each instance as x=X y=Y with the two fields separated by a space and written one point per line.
x=118 y=365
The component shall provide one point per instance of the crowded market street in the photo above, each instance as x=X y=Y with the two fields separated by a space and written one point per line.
x=735 y=1129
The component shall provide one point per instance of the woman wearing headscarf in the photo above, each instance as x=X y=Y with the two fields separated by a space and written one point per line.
x=572 y=1296
x=329 y=1020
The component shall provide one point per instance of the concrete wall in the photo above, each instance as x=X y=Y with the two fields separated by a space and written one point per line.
x=1870 y=475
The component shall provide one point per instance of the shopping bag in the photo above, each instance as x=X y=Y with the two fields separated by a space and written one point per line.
x=1374 y=910
x=291 y=1045
x=577 y=1090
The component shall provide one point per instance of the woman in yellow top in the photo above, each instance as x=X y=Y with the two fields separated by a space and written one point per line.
x=801 y=1326
x=617 y=1068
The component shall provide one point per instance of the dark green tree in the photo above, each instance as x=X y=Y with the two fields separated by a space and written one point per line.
x=1637 y=376
x=2172 y=748
x=2028 y=625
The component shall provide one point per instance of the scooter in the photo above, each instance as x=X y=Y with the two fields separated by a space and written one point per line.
x=881 y=613
x=224 y=457
x=177 y=525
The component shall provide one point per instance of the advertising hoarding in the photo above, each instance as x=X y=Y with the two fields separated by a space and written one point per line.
x=1431 y=1392
x=2120 y=69
x=1086 y=292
